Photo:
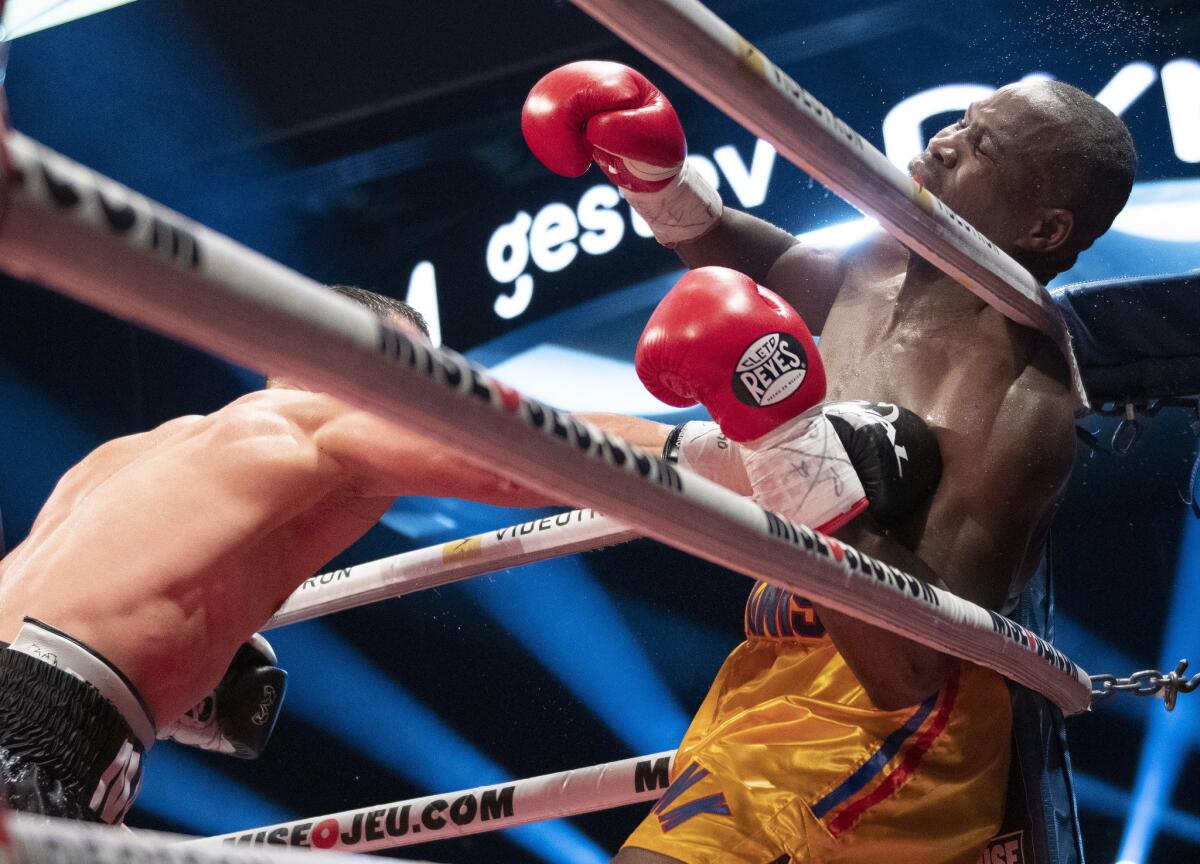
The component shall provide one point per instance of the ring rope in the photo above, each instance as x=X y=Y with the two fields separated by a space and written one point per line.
x=26 y=838
x=469 y=811
x=719 y=64
x=93 y=239
x=445 y=563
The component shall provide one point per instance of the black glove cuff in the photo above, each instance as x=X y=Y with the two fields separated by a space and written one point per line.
x=670 y=451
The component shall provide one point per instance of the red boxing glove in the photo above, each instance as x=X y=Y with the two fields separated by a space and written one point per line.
x=608 y=113
x=720 y=339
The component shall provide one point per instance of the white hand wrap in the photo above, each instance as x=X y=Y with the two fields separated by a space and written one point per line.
x=702 y=447
x=688 y=208
x=802 y=471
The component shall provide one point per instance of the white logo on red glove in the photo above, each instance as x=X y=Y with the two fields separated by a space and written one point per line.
x=770 y=370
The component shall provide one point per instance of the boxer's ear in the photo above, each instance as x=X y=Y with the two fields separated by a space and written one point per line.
x=1049 y=232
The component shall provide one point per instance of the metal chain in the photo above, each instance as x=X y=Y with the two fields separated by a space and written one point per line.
x=1149 y=408
x=1127 y=432
x=1148 y=682
x=1130 y=429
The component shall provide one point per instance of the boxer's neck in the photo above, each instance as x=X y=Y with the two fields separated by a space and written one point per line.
x=928 y=293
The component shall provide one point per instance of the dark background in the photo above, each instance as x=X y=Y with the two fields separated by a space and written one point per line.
x=355 y=140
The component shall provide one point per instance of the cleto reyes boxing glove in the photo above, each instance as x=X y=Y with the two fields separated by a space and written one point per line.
x=722 y=340
x=604 y=112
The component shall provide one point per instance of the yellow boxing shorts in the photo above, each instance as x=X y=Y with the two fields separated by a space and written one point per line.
x=788 y=762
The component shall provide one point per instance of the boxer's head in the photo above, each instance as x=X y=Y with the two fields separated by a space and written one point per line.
x=1040 y=168
x=399 y=314
x=396 y=312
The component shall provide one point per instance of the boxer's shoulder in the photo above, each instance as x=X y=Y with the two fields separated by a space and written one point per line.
x=118 y=450
x=271 y=417
x=112 y=456
x=816 y=276
x=880 y=253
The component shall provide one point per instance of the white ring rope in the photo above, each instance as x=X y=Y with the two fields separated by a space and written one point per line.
x=90 y=238
x=708 y=55
x=30 y=839
x=470 y=811
x=207 y=290
x=444 y=563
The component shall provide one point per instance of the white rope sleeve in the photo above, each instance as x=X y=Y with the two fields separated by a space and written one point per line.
x=470 y=811
x=29 y=839
x=433 y=566
x=718 y=63
x=90 y=238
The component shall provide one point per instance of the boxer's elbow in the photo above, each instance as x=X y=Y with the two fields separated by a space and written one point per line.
x=908 y=678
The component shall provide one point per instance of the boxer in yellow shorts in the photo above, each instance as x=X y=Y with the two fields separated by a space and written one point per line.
x=788 y=762
x=1040 y=169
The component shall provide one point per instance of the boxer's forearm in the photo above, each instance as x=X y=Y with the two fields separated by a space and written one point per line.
x=741 y=242
x=439 y=472
x=381 y=459
x=396 y=462
x=896 y=672
x=646 y=434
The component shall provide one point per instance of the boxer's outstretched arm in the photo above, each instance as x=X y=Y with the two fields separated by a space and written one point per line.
x=896 y=672
x=741 y=242
x=807 y=277
x=393 y=461
x=646 y=434
x=389 y=460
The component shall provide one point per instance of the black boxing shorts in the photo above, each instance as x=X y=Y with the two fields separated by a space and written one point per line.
x=73 y=730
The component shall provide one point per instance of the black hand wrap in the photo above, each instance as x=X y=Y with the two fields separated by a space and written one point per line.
x=670 y=451
x=894 y=452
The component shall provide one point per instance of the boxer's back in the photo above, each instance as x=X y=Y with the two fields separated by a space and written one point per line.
x=164 y=550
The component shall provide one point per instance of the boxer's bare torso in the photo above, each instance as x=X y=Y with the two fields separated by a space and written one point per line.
x=996 y=394
x=164 y=551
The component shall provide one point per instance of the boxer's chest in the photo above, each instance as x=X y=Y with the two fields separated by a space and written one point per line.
x=952 y=368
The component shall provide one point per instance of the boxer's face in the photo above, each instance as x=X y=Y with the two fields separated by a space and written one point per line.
x=987 y=166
